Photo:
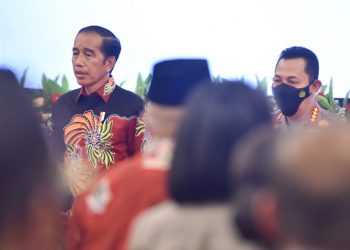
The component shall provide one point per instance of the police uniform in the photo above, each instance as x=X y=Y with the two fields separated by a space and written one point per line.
x=316 y=117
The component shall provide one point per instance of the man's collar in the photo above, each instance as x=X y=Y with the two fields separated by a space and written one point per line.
x=105 y=91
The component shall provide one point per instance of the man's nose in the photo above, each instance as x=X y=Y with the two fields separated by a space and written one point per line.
x=78 y=60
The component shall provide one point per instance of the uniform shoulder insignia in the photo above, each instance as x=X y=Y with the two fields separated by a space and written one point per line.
x=314 y=114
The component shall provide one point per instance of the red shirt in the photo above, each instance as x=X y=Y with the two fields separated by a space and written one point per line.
x=102 y=217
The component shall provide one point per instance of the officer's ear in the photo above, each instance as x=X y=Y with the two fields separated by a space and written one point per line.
x=315 y=86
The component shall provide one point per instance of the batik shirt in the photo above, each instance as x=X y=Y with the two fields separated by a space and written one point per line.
x=95 y=132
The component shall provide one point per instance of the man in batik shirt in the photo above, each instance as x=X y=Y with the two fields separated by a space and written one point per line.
x=98 y=125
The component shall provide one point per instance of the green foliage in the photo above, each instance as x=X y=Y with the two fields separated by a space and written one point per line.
x=330 y=96
x=346 y=99
x=327 y=101
x=22 y=80
x=323 y=101
x=219 y=79
x=142 y=85
x=345 y=107
x=122 y=83
x=51 y=87
x=323 y=89
x=261 y=84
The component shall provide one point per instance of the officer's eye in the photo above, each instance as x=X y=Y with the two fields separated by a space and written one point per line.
x=276 y=80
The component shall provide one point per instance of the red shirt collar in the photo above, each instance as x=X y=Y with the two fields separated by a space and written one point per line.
x=105 y=91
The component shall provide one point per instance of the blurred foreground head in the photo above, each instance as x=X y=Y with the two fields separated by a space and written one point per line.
x=217 y=116
x=28 y=205
x=172 y=81
x=294 y=190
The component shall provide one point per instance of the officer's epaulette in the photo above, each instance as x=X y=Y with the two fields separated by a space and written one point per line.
x=314 y=114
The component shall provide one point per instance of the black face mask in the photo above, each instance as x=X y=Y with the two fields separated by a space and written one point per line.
x=289 y=98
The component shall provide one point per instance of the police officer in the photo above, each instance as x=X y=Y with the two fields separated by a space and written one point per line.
x=294 y=87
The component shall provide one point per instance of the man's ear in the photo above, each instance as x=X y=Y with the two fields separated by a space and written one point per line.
x=110 y=62
x=265 y=213
x=315 y=86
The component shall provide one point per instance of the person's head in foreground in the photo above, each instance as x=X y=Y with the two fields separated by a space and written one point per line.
x=216 y=118
x=29 y=202
x=294 y=189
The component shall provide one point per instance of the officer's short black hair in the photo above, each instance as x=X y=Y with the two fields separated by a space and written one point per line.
x=311 y=60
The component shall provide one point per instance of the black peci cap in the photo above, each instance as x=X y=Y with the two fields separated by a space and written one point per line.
x=172 y=80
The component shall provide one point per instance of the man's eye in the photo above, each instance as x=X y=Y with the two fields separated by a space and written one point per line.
x=88 y=54
x=75 y=53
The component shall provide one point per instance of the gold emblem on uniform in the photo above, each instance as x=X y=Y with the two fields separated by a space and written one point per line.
x=302 y=94
x=314 y=114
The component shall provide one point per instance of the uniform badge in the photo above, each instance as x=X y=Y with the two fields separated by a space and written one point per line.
x=302 y=94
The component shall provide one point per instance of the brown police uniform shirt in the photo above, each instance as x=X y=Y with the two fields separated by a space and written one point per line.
x=316 y=117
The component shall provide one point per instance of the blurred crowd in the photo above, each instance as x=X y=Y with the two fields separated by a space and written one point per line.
x=197 y=166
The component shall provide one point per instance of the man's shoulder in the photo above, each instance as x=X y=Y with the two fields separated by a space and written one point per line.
x=320 y=117
x=124 y=181
x=64 y=103
x=124 y=169
x=99 y=195
x=159 y=214
x=327 y=117
x=68 y=97
x=122 y=173
x=127 y=94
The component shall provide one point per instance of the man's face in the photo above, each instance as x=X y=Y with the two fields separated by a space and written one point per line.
x=90 y=67
x=162 y=121
x=291 y=72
